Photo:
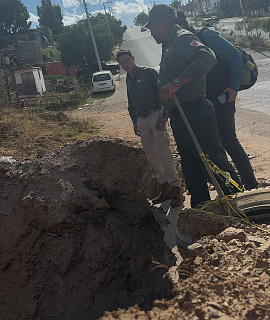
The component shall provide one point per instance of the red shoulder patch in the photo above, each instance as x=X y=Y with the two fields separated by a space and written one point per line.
x=196 y=43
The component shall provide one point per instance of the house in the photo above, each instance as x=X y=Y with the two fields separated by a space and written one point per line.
x=29 y=52
x=28 y=82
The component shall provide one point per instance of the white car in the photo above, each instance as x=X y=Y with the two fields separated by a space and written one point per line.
x=103 y=81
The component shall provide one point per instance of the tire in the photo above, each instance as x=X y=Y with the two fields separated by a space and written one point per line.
x=256 y=204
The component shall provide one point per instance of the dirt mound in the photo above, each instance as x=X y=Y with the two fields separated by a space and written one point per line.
x=77 y=237
x=78 y=241
x=224 y=277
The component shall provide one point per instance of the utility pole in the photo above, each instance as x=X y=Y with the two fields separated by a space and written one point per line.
x=243 y=16
x=106 y=14
x=6 y=76
x=92 y=36
x=112 y=10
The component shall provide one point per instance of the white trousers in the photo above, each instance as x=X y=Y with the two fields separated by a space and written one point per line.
x=156 y=144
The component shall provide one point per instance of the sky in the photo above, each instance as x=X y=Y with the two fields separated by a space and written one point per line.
x=73 y=10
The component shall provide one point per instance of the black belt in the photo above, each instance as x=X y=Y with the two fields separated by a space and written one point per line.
x=148 y=112
x=187 y=104
x=199 y=99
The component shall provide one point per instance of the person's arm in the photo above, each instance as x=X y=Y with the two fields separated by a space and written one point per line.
x=160 y=125
x=153 y=76
x=232 y=57
x=200 y=57
x=201 y=60
x=133 y=115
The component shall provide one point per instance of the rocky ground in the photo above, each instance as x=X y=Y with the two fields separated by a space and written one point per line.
x=224 y=277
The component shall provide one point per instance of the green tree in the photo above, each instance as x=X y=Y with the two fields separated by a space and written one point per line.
x=255 y=25
x=189 y=6
x=250 y=5
x=116 y=27
x=13 y=17
x=230 y=8
x=75 y=43
x=50 y=16
x=141 y=19
x=239 y=27
x=50 y=54
x=177 y=4
x=266 y=25
x=265 y=4
x=106 y=23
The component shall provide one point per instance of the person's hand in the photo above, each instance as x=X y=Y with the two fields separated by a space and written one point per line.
x=232 y=94
x=161 y=123
x=136 y=131
x=168 y=90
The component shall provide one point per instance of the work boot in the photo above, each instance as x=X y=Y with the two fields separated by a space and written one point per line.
x=177 y=197
x=165 y=194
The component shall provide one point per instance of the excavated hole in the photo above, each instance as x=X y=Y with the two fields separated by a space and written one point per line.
x=77 y=238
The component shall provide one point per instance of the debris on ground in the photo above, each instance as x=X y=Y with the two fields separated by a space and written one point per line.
x=224 y=277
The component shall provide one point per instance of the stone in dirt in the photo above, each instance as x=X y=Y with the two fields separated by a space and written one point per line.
x=232 y=233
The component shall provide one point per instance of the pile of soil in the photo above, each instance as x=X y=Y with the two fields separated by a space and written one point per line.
x=224 y=277
x=77 y=235
x=80 y=241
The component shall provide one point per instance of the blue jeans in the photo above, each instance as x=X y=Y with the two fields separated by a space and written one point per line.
x=201 y=116
x=225 y=114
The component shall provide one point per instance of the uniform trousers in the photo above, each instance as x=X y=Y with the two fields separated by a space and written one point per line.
x=156 y=144
x=225 y=114
x=201 y=116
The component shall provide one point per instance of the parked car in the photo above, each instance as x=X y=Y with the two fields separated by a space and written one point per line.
x=215 y=19
x=113 y=67
x=143 y=29
x=103 y=81
x=209 y=22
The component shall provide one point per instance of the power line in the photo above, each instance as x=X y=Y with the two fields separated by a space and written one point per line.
x=107 y=20
x=79 y=5
x=92 y=36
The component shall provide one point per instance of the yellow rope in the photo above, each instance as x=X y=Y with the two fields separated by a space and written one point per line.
x=231 y=209
x=227 y=201
x=225 y=176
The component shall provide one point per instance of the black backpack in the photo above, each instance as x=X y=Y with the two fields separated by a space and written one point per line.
x=250 y=71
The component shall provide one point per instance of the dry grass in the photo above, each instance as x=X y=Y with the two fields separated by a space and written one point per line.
x=24 y=131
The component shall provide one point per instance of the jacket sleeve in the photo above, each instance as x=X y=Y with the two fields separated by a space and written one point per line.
x=201 y=58
x=153 y=76
x=132 y=111
x=228 y=53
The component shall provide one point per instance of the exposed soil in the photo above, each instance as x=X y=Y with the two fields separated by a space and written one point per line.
x=79 y=240
x=224 y=277
x=219 y=278
x=77 y=235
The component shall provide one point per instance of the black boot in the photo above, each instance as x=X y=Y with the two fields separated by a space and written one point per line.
x=177 y=197
x=165 y=194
